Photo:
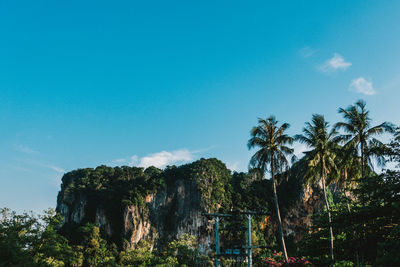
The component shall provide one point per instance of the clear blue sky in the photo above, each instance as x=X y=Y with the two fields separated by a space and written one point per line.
x=84 y=83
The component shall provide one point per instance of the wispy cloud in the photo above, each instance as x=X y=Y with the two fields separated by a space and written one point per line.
x=25 y=149
x=362 y=86
x=337 y=62
x=307 y=52
x=119 y=161
x=32 y=163
x=55 y=168
x=160 y=159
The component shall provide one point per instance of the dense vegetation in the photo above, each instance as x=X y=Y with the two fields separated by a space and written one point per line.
x=27 y=240
x=358 y=226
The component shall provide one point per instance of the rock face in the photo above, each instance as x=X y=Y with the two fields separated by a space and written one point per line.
x=298 y=217
x=170 y=212
x=130 y=204
x=72 y=208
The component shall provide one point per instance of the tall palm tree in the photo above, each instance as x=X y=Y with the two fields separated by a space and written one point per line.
x=321 y=159
x=272 y=144
x=360 y=135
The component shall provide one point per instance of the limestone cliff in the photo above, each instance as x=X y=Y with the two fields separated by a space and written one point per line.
x=171 y=204
x=130 y=204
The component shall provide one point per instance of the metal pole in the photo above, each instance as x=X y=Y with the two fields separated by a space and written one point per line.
x=216 y=241
x=250 y=263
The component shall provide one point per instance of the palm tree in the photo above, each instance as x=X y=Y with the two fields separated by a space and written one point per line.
x=321 y=159
x=360 y=134
x=271 y=142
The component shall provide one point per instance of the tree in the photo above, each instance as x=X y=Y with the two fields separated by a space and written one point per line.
x=30 y=240
x=360 y=134
x=18 y=238
x=95 y=249
x=321 y=159
x=52 y=249
x=271 y=141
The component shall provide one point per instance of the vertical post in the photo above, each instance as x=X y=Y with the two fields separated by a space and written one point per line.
x=216 y=241
x=250 y=263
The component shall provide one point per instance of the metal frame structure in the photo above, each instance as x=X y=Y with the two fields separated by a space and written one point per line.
x=248 y=246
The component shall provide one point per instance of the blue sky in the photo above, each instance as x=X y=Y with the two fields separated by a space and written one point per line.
x=84 y=83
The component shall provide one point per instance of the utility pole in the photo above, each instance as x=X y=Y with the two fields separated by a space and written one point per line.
x=217 y=252
x=217 y=217
x=250 y=260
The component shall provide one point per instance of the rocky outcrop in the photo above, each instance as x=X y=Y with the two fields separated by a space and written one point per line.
x=298 y=217
x=103 y=222
x=72 y=207
x=165 y=215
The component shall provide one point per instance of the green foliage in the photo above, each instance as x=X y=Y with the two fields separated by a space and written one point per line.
x=181 y=252
x=140 y=256
x=53 y=249
x=212 y=178
x=95 y=249
x=343 y=264
x=361 y=136
x=29 y=240
x=369 y=232
x=18 y=238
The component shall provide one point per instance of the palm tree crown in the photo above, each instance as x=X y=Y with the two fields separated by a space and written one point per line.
x=321 y=159
x=360 y=135
x=272 y=143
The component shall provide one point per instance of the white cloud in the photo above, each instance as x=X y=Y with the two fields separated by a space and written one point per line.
x=133 y=160
x=337 y=62
x=307 y=52
x=299 y=149
x=362 y=86
x=159 y=159
x=25 y=149
x=164 y=158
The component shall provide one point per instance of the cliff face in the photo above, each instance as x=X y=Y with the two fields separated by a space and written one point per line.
x=132 y=204
x=298 y=217
x=163 y=213
x=169 y=213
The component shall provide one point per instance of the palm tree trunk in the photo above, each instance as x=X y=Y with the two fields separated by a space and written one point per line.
x=278 y=214
x=362 y=176
x=362 y=161
x=330 y=221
